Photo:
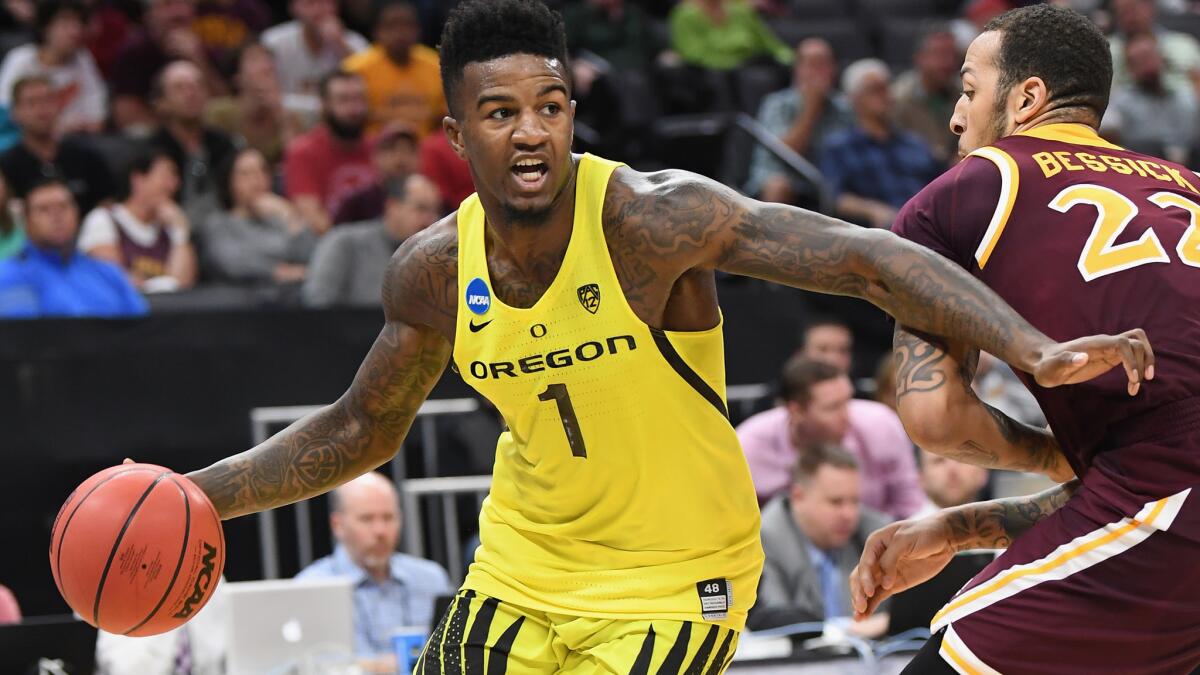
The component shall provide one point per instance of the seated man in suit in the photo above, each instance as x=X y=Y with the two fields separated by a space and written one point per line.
x=813 y=536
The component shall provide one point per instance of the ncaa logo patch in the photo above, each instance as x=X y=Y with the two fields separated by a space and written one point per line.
x=479 y=298
x=589 y=297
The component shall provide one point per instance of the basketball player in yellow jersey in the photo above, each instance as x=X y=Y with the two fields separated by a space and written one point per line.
x=578 y=295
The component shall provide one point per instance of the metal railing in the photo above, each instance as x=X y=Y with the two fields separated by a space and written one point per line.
x=414 y=492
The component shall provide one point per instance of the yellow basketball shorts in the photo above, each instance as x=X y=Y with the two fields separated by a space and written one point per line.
x=485 y=636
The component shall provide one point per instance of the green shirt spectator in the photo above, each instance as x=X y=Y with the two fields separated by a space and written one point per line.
x=12 y=239
x=616 y=31
x=723 y=34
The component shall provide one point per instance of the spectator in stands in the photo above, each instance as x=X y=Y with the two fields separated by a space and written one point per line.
x=390 y=589
x=49 y=278
x=813 y=536
x=10 y=611
x=225 y=26
x=168 y=35
x=925 y=96
x=59 y=54
x=403 y=78
x=450 y=172
x=801 y=116
x=41 y=154
x=885 y=381
x=872 y=168
x=108 y=27
x=997 y=385
x=394 y=152
x=723 y=34
x=12 y=229
x=1180 y=51
x=617 y=32
x=830 y=340
x=198 y=647
x=309 y=47
x=180 y=98
x=256 y=112
x=348 y=266
x=817 y=408
x=1151 y=113
x=257 y=237
x=147 y=234
x=323 y=167
x=948 y=483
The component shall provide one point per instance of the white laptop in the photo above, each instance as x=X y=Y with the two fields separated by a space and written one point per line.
x=288 y=627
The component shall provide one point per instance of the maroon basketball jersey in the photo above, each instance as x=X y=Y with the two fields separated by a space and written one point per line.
x=1083 y=237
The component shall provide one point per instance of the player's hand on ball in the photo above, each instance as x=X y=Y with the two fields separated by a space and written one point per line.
x=1086 y=358
x=898 y=557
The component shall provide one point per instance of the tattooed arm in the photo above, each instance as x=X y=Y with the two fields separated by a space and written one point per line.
x=364 y=428
x=910 y=552
x=942 y=414
x=671 y=222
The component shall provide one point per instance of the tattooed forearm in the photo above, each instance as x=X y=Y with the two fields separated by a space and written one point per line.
x=996 y=523
x=365 y=427
x=360 y=431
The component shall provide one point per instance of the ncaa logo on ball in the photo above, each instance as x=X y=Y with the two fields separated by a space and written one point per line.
x=479 y=298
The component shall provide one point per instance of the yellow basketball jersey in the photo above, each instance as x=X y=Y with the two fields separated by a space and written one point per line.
x=620 y=490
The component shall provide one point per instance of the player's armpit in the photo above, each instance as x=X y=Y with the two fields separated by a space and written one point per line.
x=942 y=414
x=365 y=427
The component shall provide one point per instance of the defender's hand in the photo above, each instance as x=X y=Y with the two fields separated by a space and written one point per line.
x=898 y=557
x=1083 y=359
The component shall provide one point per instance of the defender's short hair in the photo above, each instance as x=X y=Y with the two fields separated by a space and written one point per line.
x=1061 y=46
x=482 y=30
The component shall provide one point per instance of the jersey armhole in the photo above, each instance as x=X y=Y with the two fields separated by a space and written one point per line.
x=1009 y=183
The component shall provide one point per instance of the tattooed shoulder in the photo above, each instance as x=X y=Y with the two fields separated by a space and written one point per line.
x=420 y=286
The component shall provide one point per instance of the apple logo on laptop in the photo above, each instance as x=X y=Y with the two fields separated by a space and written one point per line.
x=292 y=632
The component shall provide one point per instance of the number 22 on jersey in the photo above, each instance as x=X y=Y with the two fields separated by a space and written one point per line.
x=1114 y=211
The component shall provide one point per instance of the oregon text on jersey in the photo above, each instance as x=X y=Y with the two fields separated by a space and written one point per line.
x=559 y=358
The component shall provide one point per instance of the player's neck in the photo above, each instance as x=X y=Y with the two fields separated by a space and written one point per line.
x=527 y=241
x=1056 y=116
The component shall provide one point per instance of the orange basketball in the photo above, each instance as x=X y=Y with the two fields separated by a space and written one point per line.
x=137 y=549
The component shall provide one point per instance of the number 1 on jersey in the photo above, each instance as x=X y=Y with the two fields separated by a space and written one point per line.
x=566 y=412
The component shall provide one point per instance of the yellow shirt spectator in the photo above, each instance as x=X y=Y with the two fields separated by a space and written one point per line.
x=411 y=93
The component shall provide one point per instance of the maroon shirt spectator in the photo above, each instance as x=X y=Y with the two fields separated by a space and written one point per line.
x=224 y=26
x=323 y=167
x=168 y=35
x=394 y=152
x=450 y=172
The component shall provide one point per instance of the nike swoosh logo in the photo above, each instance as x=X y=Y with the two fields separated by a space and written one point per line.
x=476 y=328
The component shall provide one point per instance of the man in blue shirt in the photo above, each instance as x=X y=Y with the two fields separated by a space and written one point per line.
x=873 y=168
x=391 y=590
x=49 y=278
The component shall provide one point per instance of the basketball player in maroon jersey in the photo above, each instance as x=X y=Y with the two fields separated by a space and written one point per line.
x=1101 y=574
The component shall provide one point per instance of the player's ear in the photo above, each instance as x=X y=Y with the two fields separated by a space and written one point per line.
x=454 y=134
x=1032 y=96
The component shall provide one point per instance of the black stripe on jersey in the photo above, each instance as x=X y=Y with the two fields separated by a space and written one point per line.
x=456 y=632
x=431 y=660
x=476 y=644
x=722 y=655
x=503 y=646
x=685 y=371
x=641 y=666
x=703 y=653
x=674 y=660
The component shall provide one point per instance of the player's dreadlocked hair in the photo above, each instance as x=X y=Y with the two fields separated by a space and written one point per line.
x=1062 y=47
x=482 y=30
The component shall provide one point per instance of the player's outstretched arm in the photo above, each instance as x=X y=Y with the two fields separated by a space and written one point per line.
x=910 y=552
x=697 y=222
x=942 y=414
x=364 y=428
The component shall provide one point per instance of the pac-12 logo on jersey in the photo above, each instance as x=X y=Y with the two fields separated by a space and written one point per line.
x=589 y=297
x=479 y=298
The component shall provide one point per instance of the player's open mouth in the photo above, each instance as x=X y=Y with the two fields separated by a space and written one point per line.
x=530 y=173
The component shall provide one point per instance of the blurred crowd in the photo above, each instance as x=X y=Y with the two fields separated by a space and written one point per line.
x=268 y=148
